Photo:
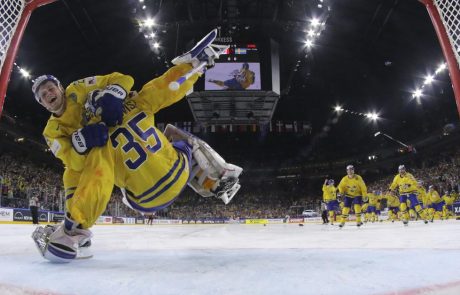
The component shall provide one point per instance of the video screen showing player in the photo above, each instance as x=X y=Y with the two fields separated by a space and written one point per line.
x=233 y=76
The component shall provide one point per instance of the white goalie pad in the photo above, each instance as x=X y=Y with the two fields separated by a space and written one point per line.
x=210 y=176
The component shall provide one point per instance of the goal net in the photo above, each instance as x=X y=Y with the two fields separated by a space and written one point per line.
x=445 y=15
x=14 y=15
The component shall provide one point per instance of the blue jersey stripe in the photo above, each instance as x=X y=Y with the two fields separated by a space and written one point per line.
x=166 y=187
x=159 y=182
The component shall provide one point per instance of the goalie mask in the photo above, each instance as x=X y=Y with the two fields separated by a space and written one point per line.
x=41 y=80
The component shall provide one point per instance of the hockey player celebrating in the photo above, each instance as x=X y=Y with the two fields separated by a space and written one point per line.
x=352 y=188
x=138 y=158
x=330 y=198
x=407 y=187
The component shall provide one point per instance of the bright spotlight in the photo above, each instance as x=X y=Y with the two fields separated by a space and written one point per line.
x=441 y=68
x=338 y=108
x=311 y=33
x=372 y=116
x=24 y=73
x=156 y=45
x=309 y=43
x=149 y=22
x=315 y=22
x=417 y=93
x=428 y=80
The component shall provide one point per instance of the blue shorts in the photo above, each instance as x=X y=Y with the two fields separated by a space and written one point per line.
x=233 y=84
x=438 y=206
x=332 y=205
x=394 y=209
x=370 y=209
x=347 y=201
x=412 y=198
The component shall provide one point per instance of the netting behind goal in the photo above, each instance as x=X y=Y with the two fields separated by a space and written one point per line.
x=450 y=16
x=445 y=15
x=10 y=14
x=14 y=15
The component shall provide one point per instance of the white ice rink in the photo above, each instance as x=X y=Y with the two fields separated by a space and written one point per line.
x=381 y=258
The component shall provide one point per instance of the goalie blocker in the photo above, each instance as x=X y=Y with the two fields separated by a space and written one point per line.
x=210 y=175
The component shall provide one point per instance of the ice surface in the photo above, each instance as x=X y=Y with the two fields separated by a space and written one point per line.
x=379 y=258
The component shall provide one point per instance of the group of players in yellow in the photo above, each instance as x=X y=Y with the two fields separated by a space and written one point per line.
x=406 y=198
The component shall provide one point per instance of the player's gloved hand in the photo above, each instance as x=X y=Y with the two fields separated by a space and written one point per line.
x=108 y=103
x=90 y=136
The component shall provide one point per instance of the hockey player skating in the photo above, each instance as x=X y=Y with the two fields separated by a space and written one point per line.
x=330 y=198
x=437 y=203
x=393 y=205
x=138 y=158
x=407 y=187
x=352 y=188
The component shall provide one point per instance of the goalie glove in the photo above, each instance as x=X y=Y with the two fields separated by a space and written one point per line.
x=89 y=136
x=57 y=243
x=107 y=103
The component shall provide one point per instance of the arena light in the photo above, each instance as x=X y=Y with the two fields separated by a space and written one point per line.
x=428 y=79
x=441 y=68
x=372 y=116
x=311 y=33
x=156 y=45
x=315 y=22
x=338 y=108
x=148 y=22
x=24 y=73
x=417 y=93
x=309 y=43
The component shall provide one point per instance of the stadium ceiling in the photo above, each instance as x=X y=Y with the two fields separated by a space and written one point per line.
x=369 y=57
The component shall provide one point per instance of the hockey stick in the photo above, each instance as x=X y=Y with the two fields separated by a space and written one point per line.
x=176 y=84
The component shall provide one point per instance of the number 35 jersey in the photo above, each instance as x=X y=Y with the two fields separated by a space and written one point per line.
x=137 y=157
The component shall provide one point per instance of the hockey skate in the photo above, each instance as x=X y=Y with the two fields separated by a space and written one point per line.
x=55 y=245
x=203 y=51
x=210 y=175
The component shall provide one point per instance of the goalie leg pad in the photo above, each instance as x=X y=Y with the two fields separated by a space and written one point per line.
x=56 y=245
x=210 y=174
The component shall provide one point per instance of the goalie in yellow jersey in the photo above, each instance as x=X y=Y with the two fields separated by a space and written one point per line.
x=352 y=188
x=150 y=167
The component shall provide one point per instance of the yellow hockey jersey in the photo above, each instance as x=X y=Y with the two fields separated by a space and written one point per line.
x=137 y=157
x=373 y=199
x=352 y=187
x=329 y=193
x=406 y=184
x=434 y=197
x=392 y=200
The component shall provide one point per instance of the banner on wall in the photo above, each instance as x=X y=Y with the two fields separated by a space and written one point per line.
x=457 y=208
x=25 y=215
x=6 y=214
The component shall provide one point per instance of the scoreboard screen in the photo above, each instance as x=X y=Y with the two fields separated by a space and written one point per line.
x=237 y=69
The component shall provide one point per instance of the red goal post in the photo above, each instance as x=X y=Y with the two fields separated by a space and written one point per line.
x=14 y=15
x=445 y=15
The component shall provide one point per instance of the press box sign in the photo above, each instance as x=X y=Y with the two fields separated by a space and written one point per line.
x=6 y=214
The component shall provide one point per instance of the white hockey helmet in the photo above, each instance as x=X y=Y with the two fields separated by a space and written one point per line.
x=350 y=167
x=401 y=168
x=40 y=80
